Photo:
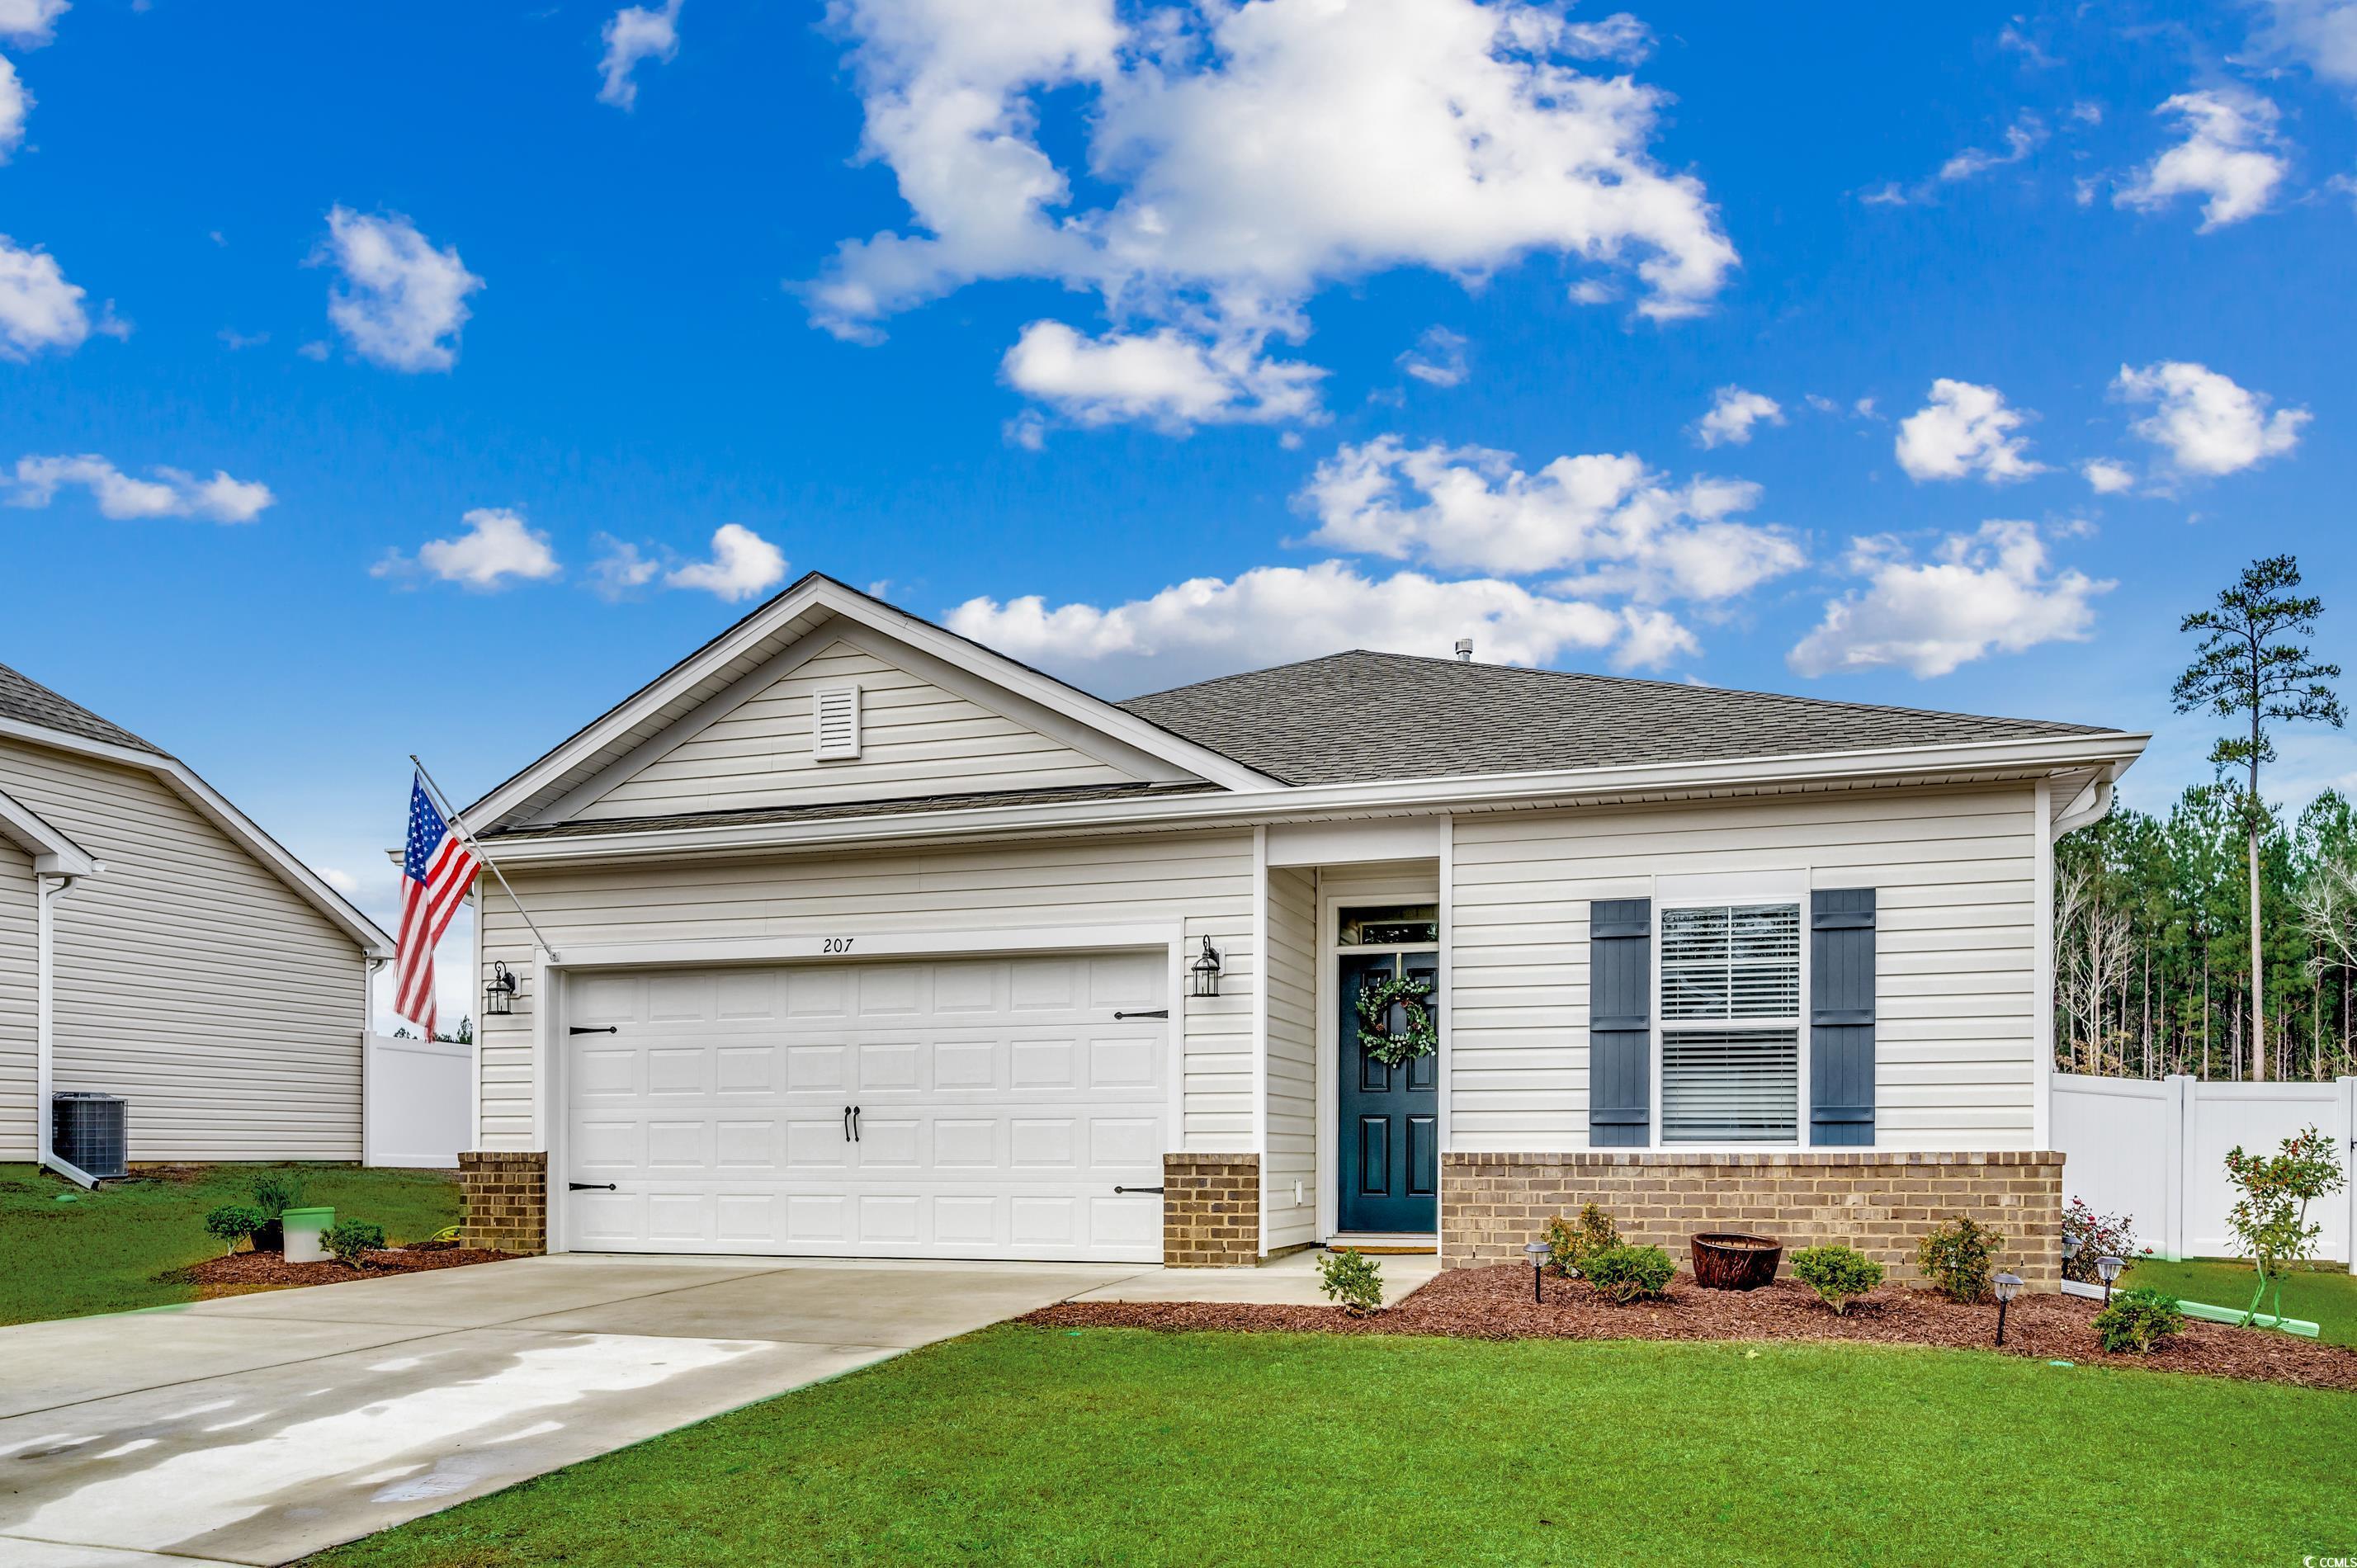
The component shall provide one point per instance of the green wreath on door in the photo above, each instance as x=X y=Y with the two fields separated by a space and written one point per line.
x=1412 y=994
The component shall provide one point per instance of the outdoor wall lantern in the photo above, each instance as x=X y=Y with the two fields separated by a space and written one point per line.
x=499 y=996
x=2006 y=1286
x=1206 y=970
x=1539 y=1252
x=2109 y=1268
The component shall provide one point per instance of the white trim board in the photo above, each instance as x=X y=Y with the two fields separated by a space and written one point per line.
x=1963 y=766
x=53 y=852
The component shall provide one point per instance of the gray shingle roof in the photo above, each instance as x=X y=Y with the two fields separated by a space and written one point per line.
x=28 y=701
x=1352 y=717
x=831 y=810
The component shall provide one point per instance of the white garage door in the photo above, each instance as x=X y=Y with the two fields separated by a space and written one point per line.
x=967 y=1108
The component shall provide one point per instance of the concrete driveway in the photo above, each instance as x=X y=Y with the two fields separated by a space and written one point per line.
x=258 y=1428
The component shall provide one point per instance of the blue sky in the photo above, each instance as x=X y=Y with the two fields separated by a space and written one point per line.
x=376 y=389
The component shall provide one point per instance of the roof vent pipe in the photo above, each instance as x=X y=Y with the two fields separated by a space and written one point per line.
x=1464 y=649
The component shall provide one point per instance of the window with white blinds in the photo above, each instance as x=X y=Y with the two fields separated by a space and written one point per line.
x=1722 y=965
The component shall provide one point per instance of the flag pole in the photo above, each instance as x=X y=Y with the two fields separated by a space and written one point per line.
x=468 y=833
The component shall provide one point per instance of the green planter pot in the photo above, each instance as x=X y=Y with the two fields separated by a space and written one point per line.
x=305 y=1231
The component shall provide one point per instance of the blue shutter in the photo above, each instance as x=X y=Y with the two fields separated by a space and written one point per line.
x=1841 y=1016
x=1619 y=1021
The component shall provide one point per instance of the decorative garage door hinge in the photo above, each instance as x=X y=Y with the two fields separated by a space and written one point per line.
x=594 y=1029
x=1137 y=1189
x=589 y=1186
x=1146 y=1013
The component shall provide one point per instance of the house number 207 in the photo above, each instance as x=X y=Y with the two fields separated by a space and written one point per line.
x=835 y=944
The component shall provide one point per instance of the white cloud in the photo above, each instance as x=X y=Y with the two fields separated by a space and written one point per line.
x=2207 y=423
x=1438 y=358
x=2232 y=154
x=633 y=34
x=2323 y=33
x=742 y=564
x=1272 y=614
x=619 y=567
x=1255 y=154
x=1162 y=378
x=1964 y=430
x=496 y=547
x=343 y=882
x=1989 y=591
x=2021 y=139
x=15 y=104
x=171 y=493
x=1622 y=525
x=38 y=308
x=2106 y=477
x=29 y=23
x=1733 y=412
x=401 y=298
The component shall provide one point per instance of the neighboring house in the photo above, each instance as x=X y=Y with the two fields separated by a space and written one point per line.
x=155 y=944
x=869 y=940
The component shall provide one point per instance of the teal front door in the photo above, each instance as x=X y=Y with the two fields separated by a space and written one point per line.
x=1390 y=1141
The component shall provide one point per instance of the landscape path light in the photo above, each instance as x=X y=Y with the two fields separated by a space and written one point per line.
x=1538 y=1252
x=2109 y=1267
x=2006 y=1286
x=2069 y=1250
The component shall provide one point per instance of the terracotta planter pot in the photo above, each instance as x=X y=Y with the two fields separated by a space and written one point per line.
x=1729 y=1261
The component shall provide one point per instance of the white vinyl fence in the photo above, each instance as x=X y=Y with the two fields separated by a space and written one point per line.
x=2155 y=1150
x=417 y=1107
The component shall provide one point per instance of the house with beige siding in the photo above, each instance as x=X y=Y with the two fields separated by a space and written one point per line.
x=850 y=937
x=157 y=945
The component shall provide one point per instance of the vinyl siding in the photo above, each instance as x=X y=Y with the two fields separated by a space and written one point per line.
x=1202 y=879
x=19 y=979
x=1956 y=1062
x=190 y=979
x=1292 y=1154
x=916 y=739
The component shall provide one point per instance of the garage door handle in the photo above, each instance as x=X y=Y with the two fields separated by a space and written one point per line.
x=854 y=1124
x=1137 y=1189
x=1149 y=1012
x=589 y=1186
x=594 y=1029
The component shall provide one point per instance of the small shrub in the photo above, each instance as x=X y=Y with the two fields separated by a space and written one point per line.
x=2099 y=1236
x=1573 y=1240
x=275 y=1193
x=2138 y=1320
x=1352 y=1278
x=1838 y=1274
x=1959 y=1255
x=232 y=1223
x=350 y=1239
x=1624 y=1274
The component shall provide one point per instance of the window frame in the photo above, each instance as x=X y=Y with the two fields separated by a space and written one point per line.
x=1714 y=893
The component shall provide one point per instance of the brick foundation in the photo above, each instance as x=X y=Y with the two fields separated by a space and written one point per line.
x=1880 y=1203
x=507 y=1201
x=1210 y=1211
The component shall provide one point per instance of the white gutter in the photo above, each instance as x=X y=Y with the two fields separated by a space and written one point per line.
x=48 y=890
x=2095 y=810
x=1560 y=787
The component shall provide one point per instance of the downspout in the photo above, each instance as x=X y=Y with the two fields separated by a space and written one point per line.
x=51 y=889
x=2095 y=810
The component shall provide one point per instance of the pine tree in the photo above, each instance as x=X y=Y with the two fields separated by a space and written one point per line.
x=2250 y=662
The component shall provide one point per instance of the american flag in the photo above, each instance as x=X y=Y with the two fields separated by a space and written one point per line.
x=435 y=871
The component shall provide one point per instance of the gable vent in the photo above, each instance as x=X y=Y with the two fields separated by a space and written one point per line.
x=834 y=723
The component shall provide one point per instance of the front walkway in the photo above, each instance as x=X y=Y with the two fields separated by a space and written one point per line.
x=260 y=1428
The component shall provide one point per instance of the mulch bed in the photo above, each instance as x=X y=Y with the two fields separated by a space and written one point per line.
x=240 y=1273
x=1495 y=1303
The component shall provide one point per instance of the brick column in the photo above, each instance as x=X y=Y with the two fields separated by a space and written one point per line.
x=1881 y=1202
x=1210 y=1211
x=506 y=1196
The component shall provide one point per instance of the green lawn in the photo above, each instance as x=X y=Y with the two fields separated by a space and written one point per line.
x=65 y=1253
x=1022 y=1445
x=2326 y=1297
